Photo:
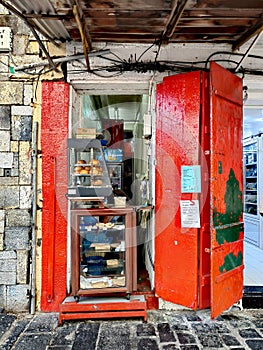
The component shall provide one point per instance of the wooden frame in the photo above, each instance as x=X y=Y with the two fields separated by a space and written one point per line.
x=130 y=244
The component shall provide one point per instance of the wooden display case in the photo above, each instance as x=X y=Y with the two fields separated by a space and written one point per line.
x=103 y=251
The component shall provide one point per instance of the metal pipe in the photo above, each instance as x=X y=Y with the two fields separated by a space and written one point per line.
x=34 y=211
x=248 y=50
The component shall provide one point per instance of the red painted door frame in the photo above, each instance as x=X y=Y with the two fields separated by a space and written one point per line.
x=54 y=134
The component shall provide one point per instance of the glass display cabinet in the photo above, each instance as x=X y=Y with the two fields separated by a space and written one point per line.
x=103 y=251
x=251 y=179
x=87 y=174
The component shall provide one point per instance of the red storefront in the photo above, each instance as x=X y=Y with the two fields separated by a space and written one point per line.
x=198 y=208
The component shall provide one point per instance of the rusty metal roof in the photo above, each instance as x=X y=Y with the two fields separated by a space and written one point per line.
x=142 y=21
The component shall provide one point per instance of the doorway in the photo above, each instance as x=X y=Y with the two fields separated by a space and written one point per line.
x=119 y=121
x=253 y=222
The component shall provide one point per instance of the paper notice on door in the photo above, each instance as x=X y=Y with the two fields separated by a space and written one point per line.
x=191 y=179
x=190 y=215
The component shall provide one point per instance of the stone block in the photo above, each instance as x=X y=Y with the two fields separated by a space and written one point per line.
x=4 y=140
x=1 y=241
x=25 y=171
x=17 y=298
x=5 y=117
x=11 y=91
x=9 y=196
x=56 y=51
x=21 y=110
x=32 y=48
x=3 y=10
x=28 y=94
x=9 y=181
x=19 y=45
x=4 y=70
x=22 y=266
x=7 y=277
x=2 y=221
x=7 y=254
x=25 y=197
x=18 y=217
x=17 y=238
x=8 y=265
x=14 y=146
x=6 y=160
x=2 y=296
x=21 y=128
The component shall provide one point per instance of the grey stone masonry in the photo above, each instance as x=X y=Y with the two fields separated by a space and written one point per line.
x=5 y=117
x=16 y=120
x=7 y=268
x=17 y=238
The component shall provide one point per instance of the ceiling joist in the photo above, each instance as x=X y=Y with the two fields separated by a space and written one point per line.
x=254 y=30
x=83 y=29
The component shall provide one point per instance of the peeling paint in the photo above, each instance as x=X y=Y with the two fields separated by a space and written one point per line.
x=231 y=261
x=229 y=225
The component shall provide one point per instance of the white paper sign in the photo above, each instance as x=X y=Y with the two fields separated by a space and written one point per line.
x=190 y=215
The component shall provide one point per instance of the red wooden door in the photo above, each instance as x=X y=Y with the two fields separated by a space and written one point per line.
x=226 y=189
x=199 y=125
x=177 y=144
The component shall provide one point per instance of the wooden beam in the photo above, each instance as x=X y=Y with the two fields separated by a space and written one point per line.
x=254 y=30
x=175 y=16
x=83 y=29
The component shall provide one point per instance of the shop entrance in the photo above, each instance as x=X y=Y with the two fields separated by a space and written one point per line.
x=121 y=122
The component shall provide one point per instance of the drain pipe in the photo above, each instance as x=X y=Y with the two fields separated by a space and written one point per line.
x=33 y=224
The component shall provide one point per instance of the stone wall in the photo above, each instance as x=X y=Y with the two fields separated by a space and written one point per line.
x=15 y=194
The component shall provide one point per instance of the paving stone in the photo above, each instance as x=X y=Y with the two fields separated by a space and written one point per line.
x=213 y=327
x=210 y=340
x=165 y=333
x=170 y=347
x=189 y=347
x=114 y=336
x=32 y=341
x=255 y=344
x=180 y=327
x=240 y=324
x=5 y=323
x=59 y=347
x=147 y=344
x=15 y=332
x=249 y=333
x=87 y=334
x=193 y=318
x=145 y=330
x=64 y=335
x=229 y=340
x=186 y=338
x=258 y=323
x=42 y=323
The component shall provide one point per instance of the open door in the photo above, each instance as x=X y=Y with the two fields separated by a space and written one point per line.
x=177 y=144
x=199 y=262
x=226 y=186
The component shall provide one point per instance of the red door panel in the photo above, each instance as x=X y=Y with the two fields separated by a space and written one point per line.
x=226 y=189
x=177 y=144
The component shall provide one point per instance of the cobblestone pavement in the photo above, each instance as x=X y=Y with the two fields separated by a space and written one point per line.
x=164 y=330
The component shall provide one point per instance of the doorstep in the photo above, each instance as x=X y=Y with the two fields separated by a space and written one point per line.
x=102 y=307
